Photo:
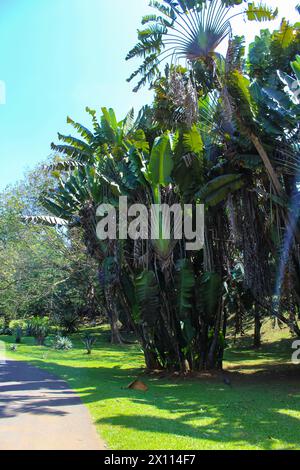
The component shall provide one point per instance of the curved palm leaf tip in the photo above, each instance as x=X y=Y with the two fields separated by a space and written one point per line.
x=187 y=29
x=47 y=221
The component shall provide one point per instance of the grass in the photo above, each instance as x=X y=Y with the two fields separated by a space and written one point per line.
x=260 y=411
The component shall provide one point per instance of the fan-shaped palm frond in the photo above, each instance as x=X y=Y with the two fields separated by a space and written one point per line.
x=186 y=29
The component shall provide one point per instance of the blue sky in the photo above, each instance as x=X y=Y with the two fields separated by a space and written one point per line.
x=58 y=56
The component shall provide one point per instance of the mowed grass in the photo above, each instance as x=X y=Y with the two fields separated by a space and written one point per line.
x=260 y=411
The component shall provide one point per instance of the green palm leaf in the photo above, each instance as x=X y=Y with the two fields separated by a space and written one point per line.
x=185 y=282
x=161 y=161
x=47 y=221
x=147 y=295
x=210 y=289
x=217 y=190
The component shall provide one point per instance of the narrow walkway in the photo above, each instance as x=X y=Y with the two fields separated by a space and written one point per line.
x=39 y=412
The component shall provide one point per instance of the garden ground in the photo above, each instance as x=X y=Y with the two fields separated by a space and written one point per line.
x=260 y=410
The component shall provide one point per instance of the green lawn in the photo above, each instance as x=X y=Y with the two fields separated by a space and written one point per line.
x=260 y=411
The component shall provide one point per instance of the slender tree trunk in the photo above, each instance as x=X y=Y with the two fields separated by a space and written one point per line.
x=213 y=356
x=115 y=333
x=257 y=328
x=112 y=318
x=222 y=347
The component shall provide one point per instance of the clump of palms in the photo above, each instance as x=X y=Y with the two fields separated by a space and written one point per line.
x=178 y=302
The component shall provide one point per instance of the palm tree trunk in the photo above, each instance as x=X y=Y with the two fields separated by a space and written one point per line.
x=268 y=165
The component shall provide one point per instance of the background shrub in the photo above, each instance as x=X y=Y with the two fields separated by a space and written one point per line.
x=38 y=328
x=67 y=319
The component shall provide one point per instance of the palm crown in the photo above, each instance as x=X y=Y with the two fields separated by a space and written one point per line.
x=187 y=29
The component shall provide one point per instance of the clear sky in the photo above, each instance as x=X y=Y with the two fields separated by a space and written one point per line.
x=58 y=56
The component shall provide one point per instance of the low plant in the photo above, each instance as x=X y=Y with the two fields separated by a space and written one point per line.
x=13 y=347
x=89 y=342
x=62 y=343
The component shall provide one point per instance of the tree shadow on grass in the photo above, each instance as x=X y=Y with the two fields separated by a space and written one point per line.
x=204 y=413
x=280 y=350
x=260 y=410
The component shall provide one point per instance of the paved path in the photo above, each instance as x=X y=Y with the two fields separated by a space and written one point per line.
x=39 y=412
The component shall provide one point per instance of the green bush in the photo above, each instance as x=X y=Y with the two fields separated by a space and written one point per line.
x=62 y=343
x=14 y=324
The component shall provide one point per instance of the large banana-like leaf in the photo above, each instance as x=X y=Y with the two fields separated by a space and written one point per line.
x=72 y=151
x=83 y=131
x=210 y=290
x=242 y=85
x=46 y=221
x=161 y=162
x=185 y=282
x=218 y=189
x=128 y=122
x=147 y=294
x=109 y=125
x=62 y=166
x=260 y=12
x=59 y=210
x=249 y=161
x=285 y=36
x=192 y=141
x=74 y=142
